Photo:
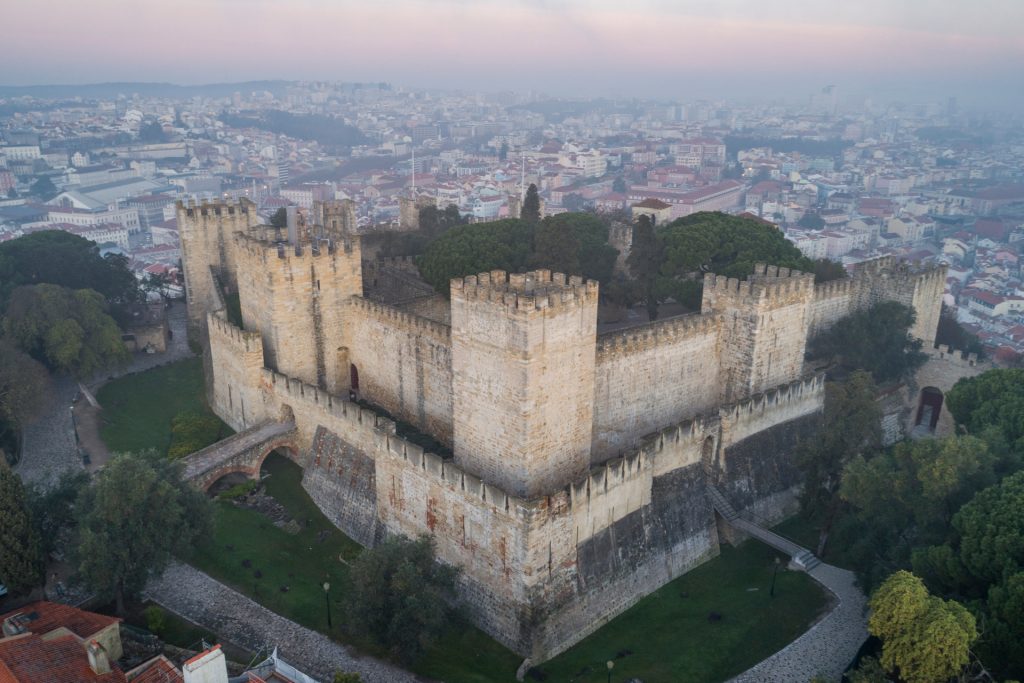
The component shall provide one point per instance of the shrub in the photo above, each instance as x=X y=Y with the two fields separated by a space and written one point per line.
x=156 y=619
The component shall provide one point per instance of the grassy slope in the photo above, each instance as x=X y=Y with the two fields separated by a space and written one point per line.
x=138 y=409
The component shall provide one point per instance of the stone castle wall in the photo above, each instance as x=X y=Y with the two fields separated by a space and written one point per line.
x=404 y=363
x=650 y=376
x=523 y=385
x=564 y=504
x=207 y=240
x=296 y=297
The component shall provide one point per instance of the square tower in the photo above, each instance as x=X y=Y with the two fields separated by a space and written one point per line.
x=523 y=350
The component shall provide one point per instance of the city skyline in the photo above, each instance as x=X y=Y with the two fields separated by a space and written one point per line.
x=651 y=49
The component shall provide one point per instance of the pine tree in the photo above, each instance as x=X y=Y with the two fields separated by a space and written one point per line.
x=645 y=261
x=531 y=205
x=21 y=563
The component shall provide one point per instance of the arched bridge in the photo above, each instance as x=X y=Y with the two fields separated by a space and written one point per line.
x=243 y=452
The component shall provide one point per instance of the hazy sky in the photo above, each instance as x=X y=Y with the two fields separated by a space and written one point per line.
x=629 y=47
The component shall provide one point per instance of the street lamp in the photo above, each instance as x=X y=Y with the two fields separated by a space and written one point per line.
x=610 y=665
x=771 y=592
x=327 y=601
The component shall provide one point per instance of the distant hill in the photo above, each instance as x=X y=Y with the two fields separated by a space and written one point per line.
x=112 y=90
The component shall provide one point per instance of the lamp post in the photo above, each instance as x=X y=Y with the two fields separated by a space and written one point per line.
x=771 y=592
x=610 y=665
x=327 y=601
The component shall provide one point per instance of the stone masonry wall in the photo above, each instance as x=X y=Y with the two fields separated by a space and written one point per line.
x=207 y=239
x=296 y=298
x=341 y=480
x=651 y=376
x=523 y=379
x=404 y=363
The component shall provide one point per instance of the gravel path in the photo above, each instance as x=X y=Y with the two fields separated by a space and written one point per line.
x=49 y=448
x=829 y=646
x=192 y=594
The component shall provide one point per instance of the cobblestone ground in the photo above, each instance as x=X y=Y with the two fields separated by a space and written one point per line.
x=829 y=646
x=49 y=448
x=194 y=595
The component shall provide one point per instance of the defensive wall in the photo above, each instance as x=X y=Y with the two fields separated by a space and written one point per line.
x=567 y=498
x=541 y=572
x=207 y=240
x=650 y=376
x=883 y=279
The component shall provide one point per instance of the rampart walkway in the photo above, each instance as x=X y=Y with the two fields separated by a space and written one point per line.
x=242 y=452
x=830 y=645
x=192 y=594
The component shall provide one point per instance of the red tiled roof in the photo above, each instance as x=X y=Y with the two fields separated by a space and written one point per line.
x=30 y=659
x=156 y=670
x=52 y=615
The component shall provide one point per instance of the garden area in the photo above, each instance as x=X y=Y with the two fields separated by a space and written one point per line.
x=276 y=547
x=163 y=408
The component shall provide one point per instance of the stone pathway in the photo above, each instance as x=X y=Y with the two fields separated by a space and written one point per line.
x=829 y=646
x=49 y=446
x=190 y=593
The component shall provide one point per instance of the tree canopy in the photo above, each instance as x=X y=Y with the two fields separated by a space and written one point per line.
x=877 y=340
x=994 y=398
x=575 y=244
x=137 y=513
x=852 y=426
x=468 y=249
x=530 y=211
x=60 y=258
x=400 y=595
x=924 y=638
x=21 y=559
x=23 y=384
x=68 y=330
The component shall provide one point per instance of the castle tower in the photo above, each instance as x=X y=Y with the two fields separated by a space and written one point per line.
x=335 y=219
x=207 y=240
x=764 y=332
x=297 y=297
x=523 y=349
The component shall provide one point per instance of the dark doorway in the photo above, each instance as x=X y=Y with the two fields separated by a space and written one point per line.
x=353 y=377
x=928 y=408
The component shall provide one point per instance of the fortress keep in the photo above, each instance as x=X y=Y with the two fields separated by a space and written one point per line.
x=571 y=468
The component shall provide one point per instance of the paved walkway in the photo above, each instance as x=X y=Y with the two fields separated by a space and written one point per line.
x=49 y=448
x=829 y=646
x=194 y=595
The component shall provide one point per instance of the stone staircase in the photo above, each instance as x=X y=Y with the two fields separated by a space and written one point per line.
x=801 y=557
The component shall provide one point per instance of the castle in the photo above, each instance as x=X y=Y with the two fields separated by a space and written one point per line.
x=573 y=466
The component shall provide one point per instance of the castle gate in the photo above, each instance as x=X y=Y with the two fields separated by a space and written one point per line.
x=243 y=452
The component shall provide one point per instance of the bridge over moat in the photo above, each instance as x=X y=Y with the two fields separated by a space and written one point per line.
x=243 y=452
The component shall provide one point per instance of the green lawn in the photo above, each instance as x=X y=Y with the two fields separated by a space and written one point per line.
x=138 y=408
x=668 y=636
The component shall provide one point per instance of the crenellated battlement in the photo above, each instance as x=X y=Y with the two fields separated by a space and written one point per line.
x=414 y=323
x=954 y=356
x=652 y=335
x=767 y=408
x=247 y=341
x=267 y=249
x=526 y=292
x=836 y=288
x=214 y=208
x=447 y=473
x=289 y=389
x=605 y=478
x=767 y=286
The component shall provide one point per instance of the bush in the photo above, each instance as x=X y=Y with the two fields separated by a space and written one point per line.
x=192 y=431
x=156 y=619
x=401 y=596
x=238 y=490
